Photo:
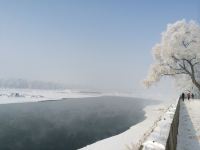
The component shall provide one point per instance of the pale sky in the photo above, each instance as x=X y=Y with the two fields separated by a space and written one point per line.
x=103 y=44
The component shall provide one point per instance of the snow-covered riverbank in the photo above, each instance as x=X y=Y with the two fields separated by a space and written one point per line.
x=133 y=137
x=32 y=95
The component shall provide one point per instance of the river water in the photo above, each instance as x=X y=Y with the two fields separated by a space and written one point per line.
x=67 y=124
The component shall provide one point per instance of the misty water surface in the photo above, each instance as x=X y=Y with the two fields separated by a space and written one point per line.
x=68 y=124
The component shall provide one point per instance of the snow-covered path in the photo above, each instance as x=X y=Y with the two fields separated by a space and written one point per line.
x=189 y=126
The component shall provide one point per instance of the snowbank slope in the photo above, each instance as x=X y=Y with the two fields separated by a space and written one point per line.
x=133 y=137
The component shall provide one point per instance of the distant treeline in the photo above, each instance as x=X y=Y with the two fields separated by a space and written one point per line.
x=22 y=83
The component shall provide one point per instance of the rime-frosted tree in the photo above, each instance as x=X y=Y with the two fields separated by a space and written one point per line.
x=178 y=55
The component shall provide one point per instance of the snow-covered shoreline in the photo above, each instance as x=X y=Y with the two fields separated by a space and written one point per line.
x=157 y=139
x=135 y=135
x=8 y=96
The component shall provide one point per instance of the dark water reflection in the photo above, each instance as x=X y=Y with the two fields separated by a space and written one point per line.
x=67 y=125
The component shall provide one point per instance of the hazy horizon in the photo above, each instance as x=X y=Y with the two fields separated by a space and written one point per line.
x=88 y=44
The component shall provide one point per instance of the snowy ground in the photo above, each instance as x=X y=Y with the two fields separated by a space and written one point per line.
x=30 y=95
x=189 y=126
x=158 y=138
x=132 y=138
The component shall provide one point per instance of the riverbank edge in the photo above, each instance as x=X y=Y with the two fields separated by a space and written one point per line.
x=132 y=138
x=164 y=135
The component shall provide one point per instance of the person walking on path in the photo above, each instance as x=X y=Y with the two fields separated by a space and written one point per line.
x=188 y=96
x=192 y=96
x=183 y=96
